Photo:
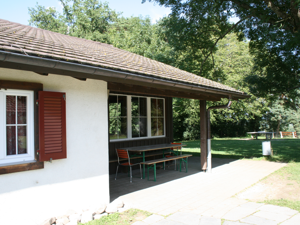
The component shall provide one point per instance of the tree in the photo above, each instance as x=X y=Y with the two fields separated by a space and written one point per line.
x=232 y=61
x=280 y=118
x=93 y=20
x=88 y=19
x=272 y=27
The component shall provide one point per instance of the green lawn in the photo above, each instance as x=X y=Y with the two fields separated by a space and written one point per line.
x=285 y=150
x=126 y=218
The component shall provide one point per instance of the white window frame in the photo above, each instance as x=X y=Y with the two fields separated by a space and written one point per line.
x=22 y=158
x=129 y=119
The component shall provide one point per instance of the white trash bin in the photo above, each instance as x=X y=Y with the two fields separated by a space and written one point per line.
x=266 y=148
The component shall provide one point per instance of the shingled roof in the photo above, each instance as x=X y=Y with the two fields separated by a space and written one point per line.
x=31 y=41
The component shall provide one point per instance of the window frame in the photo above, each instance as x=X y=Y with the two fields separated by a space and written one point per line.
x=18 y=158
x=129 y=118
x=35 y=164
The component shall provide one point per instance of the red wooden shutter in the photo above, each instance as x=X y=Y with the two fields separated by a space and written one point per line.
x=52 y=125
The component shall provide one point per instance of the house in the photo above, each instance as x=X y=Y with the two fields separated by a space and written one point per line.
x=66 y=103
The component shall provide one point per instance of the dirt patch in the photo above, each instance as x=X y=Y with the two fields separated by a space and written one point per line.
x=274 y=186
x=140 y=216
x=132 y=216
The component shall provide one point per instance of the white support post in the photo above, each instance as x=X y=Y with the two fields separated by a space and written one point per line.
x=209 y=166
x=281 y=134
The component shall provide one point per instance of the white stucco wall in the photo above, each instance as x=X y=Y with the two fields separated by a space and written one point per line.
x=79 y=182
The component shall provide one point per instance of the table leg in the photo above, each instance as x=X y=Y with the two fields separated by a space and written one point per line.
x=164 y=157
x=154 y=171
x=144 y=166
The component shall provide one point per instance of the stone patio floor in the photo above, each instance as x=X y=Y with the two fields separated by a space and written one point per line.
x=203 y=198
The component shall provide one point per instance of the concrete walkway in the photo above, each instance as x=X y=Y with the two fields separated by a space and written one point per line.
x=202 y=198
x=247 y=213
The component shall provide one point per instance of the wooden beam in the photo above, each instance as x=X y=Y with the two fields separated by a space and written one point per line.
x=203 y=134
x=146 y=90
x=7 y=84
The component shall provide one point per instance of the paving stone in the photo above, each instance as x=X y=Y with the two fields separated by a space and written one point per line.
x=153 y=219
x=295 y=220
x=252 y=205
x=234 y=223
x=185 y=217
x=140 y=223
x=210 y=220
x=238 y=213
x=168 y=222
x=258 y=221
x=278 y=217
x=278 y=209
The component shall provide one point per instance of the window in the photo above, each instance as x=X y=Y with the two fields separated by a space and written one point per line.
x=157 y=117
x=117 y=117
x=133 y=117
x=16 y=126
x=139 y=117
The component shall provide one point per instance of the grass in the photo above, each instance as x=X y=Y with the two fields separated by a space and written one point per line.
x=285 y=203
x=128 y=217
x=284 y=150
x=291 y=172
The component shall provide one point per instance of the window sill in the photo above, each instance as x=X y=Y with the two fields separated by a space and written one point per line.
x=5 y=169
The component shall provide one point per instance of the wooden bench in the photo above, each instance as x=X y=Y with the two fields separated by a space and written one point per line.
x=152 y=163
x=284 y=134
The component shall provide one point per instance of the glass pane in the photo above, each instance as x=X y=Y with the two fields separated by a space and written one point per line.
x=134 y=106
x=160 y=107
x=143 y=127
x=143 y=106
x=10 y=109
x=11 y=140
x=22 y=140
x=153 y=107
x=113 y=128
x=21 y=109
x=154 y=127
x=135 y=127
x=123 y=133
x=113 y=106
x=122 y=100
x=160 y=126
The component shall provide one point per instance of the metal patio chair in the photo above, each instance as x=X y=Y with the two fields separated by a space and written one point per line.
x=123 y=154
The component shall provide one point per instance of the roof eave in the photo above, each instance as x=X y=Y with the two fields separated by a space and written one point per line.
x=101 y=73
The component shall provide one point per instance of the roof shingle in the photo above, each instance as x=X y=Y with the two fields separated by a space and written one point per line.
x=38 y=42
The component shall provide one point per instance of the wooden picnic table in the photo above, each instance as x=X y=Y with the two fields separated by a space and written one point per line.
x=146 y=148
x=256 y=133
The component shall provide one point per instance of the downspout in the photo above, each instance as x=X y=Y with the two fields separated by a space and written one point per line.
x=209 y=132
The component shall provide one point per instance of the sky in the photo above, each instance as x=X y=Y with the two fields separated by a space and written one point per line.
x=17 y=10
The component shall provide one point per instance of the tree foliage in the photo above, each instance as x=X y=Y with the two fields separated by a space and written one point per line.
x=233 y=61
x=198 y=38
x=273 y=28
x=88 y=19
x=93 y=20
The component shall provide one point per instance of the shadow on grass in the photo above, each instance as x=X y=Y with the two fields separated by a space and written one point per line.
x=284 y=150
